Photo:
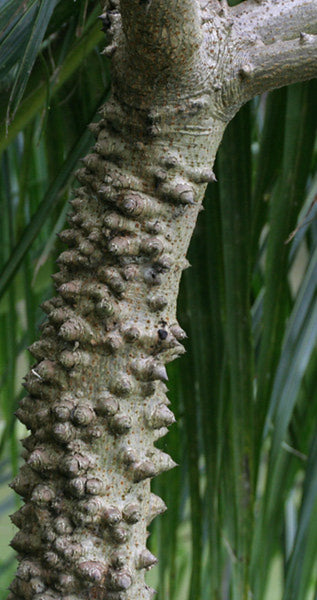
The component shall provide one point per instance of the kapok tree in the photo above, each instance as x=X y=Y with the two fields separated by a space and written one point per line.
x=97 y=404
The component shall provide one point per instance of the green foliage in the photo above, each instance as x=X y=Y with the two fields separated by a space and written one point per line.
x=242 y=503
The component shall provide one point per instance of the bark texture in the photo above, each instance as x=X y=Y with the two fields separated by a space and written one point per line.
x=96 y=399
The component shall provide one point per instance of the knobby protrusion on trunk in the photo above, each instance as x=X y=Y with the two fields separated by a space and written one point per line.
x=96 y=399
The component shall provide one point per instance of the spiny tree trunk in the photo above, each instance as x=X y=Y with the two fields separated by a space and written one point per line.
x=97 y=403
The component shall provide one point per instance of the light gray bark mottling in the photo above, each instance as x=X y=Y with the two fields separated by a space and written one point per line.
x=97 y=398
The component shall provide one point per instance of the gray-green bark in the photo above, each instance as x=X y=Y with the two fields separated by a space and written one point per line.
x=97 y=401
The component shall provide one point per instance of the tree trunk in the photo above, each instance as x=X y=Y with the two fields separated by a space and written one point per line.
x=97 y=402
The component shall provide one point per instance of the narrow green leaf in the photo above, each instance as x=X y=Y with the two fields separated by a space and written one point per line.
x=11 y=320
x=306 y=219
x=301 y=563
x=35 y=100
x=285 y=205
x=37 y=34
x=235 y=196
x=10 y=12
x=299 y=342
x=268 y=160
x=285 y=462
x=15 y=25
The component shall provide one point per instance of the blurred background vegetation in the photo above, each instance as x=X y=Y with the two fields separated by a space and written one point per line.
x=245 y=392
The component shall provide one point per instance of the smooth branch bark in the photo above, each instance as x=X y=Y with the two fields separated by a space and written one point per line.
x=284 y=42
x=97 y=403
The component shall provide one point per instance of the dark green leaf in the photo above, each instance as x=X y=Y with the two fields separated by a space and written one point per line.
x=16 y=34
x=39 y=26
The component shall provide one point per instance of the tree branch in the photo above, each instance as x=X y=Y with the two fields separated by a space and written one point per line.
x=277 y=42
x=278 y=64
x=271 y=20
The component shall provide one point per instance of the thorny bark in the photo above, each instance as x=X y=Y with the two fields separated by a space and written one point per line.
x=97 y=403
